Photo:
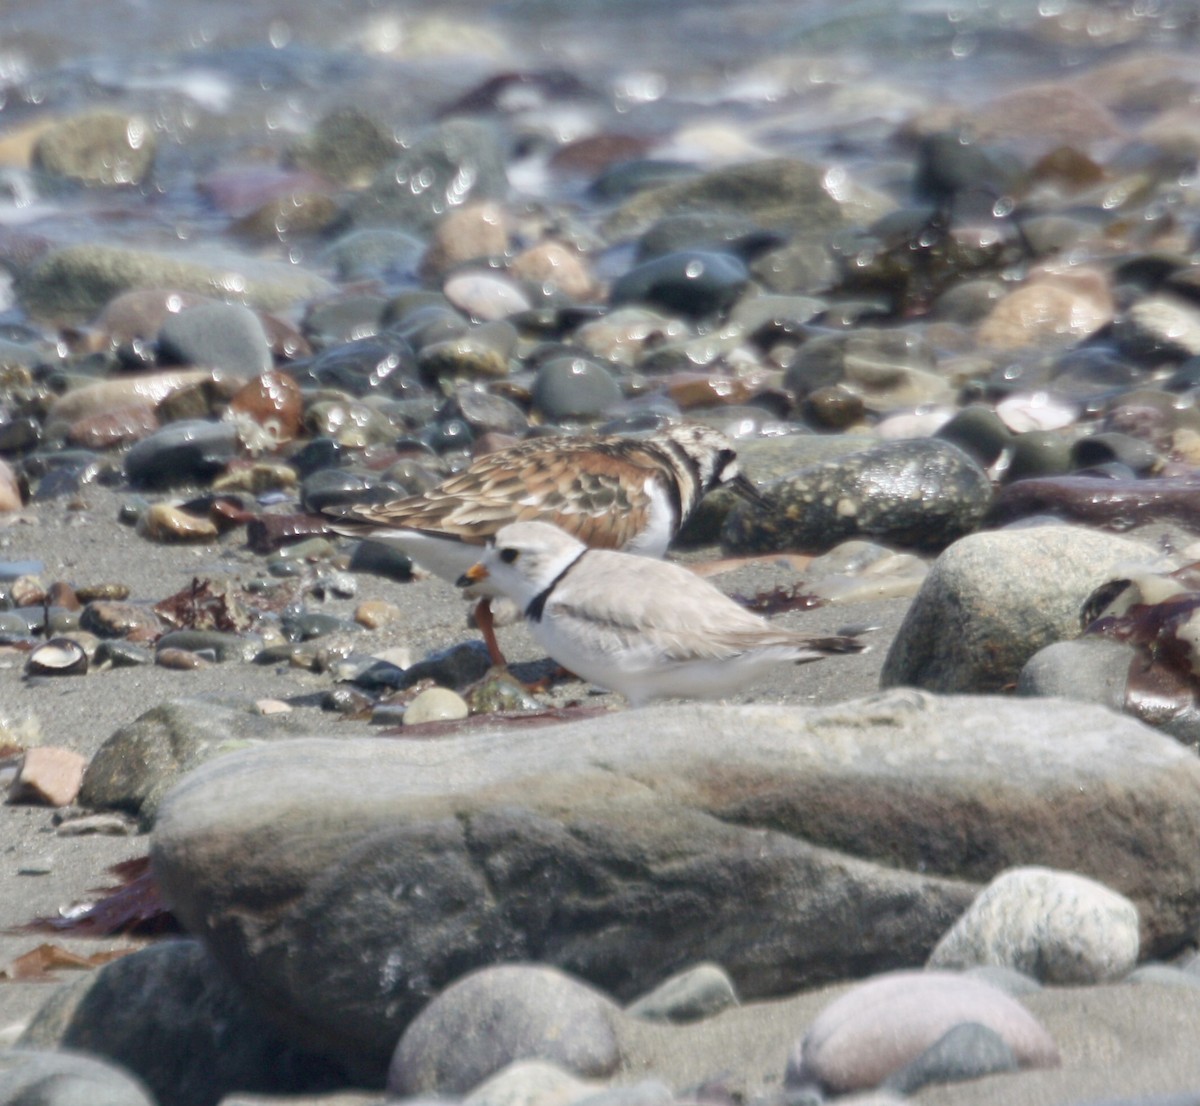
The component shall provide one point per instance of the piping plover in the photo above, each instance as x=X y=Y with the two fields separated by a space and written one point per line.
x=648 y=629
x=611 y=492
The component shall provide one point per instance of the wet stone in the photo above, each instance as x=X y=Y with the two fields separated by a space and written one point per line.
x=378 y=365
x=477 y=354
x=1106 y=447
x=500 y=692
x=216 y=335
x=921 y=493
x=694 y=283
x=122 y=654
x=574 y=387
x=777 y=193
x=190 y=452
x=1159 y=328
x=347 y=145
x=475 y=232
x=1038 y=453
x=306 y=625
x=484 y=295
x=102 y=148
x=379 y=254
x=455 y=161
x=979 y=431
x=78 y=280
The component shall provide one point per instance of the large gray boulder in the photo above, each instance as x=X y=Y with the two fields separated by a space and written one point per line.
x=344 y=883
x=993 y=599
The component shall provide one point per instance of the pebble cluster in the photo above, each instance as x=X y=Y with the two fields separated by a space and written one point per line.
x=964 y=372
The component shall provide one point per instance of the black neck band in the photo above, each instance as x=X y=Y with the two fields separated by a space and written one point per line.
x=538 y=603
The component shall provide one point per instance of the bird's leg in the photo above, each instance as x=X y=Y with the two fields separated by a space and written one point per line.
x=487 y=627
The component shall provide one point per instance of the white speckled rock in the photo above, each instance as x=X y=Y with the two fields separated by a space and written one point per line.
x=1055 y=926
x=485 y=296
x=877 y=1028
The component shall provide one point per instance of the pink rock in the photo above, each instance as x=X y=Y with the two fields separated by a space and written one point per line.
x=107 y=396
x=48 y=775
x=858 y=1040
x=10 y=490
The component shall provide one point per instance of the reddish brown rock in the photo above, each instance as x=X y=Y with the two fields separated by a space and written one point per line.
x=273 y=401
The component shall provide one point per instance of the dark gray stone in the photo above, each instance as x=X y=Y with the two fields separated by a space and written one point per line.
x=188 y=452
x=695 y=283
x=968 y=1051
x=169 y=1015
x=574 y=387
x=217 y=336
x=922 y=493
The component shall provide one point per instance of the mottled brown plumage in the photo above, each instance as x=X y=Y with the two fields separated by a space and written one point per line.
x=610 y=492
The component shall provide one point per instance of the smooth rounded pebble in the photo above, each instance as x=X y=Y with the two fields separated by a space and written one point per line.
x=436 y=704
x=1055 y=926
x=216 y=335
x=879 y=1027
x=968 y=1051
x=1091 y=670
x=30 y=1077
x=696 y=993
x=499 y=1015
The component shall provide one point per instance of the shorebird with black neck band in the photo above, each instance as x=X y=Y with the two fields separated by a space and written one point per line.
x=611 y=492
x=647 y=629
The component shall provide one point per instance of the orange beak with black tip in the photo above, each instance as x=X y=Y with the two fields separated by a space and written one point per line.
x=473 y=575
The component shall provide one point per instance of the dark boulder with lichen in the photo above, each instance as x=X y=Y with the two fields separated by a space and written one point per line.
x=921 y=493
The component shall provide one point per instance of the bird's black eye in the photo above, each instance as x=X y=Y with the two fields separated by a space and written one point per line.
x=508 y=555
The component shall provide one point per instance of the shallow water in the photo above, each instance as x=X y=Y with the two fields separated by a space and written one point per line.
x=222 y=81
